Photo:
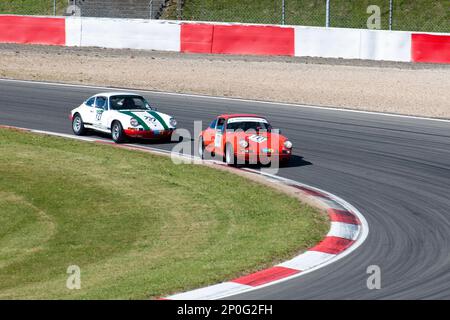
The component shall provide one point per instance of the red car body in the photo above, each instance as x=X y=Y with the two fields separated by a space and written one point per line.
x=262 y=143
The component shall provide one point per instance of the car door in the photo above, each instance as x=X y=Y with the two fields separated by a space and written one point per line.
x=208 y=135
x=88 y=111
x=219 y=135
x=100 y=107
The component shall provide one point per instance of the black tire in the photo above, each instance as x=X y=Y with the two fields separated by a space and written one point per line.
x=201 y=148
x=230 y=158
x=117 y=133
x=78 y=125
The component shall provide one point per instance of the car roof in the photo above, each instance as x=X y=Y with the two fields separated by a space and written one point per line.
x=239 y=115
x=117 y=93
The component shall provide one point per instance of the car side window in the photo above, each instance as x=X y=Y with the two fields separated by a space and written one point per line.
x=100 y=103
x=90 y=102
x=220 y=124
x=213 y=124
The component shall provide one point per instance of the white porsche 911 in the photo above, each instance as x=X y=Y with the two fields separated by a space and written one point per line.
x=122 y=115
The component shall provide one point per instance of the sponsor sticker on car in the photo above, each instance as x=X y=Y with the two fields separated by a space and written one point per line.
x=257 y=139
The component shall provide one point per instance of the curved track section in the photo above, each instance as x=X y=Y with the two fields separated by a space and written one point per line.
x=395 y=170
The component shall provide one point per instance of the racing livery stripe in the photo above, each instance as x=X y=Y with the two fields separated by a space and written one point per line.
x=158 y=117
x=139 y=120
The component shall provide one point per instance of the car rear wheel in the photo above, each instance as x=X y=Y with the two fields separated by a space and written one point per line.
x=230 y=158
x=117 y=132
x=78 y=125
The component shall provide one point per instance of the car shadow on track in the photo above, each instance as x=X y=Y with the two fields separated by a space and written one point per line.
x=152 y=142
x=294 y=162
x=174 y=140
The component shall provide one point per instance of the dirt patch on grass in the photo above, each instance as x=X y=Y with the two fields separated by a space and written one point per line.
x=414 y=89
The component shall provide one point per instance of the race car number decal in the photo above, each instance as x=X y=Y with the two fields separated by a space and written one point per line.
x=149 y=118
x=99 y=114
x=257 y=139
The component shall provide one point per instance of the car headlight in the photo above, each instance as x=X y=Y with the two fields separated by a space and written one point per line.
x=243 y=143
x=288 y=144
x=173 y=122
x=134 y=122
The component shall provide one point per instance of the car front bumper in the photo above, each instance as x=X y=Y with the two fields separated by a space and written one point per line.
x=250 y=156
x=148 y=134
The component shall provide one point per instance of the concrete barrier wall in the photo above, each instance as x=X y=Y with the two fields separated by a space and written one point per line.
x=237 y=39
x=352 y=44
x=223 y=38
x=123 y=33
x=385 y=45
x=32 y=30
x=327 y=43
x=430 y=48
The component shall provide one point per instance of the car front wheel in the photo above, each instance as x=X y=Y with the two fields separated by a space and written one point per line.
x=78 y=125
x=117 y=132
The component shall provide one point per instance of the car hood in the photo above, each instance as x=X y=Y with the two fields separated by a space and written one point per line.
x=261 y=139
x=149 y=120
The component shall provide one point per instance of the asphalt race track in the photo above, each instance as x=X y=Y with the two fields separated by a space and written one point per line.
x=395 y=170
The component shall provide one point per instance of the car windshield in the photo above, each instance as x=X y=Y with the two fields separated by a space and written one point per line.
x=128 y=103
x=249 y=125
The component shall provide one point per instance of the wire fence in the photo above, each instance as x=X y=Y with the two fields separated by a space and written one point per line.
x=423 y=15
x=428 y=15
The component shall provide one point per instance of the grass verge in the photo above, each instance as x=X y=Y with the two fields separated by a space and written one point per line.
x=32 y=7
x=430 y=15
x=137 y=225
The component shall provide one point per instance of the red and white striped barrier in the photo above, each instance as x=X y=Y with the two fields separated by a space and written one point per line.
x=220 y=38
x=237 y=39
x=32 y=30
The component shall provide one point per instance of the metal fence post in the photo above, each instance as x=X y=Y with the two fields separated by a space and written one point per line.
x=283 y=11
x=179 y=8
x=327 y=14
x=151 y=9
x=54 y=7
x=391 y=9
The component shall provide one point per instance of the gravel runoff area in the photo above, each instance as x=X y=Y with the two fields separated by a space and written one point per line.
x=413 y=89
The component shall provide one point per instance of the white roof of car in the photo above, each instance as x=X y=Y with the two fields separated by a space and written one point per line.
x=247 y=119
x=117 y=93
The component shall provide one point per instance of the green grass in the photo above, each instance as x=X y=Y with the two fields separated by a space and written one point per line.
x=432 y=15
x=32 y=7
x=137 y=225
